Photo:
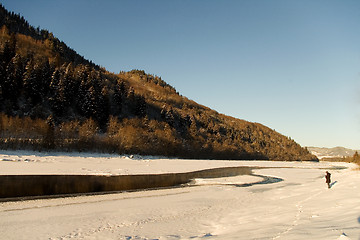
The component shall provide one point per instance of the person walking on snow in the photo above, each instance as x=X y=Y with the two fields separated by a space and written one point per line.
x=327 y=177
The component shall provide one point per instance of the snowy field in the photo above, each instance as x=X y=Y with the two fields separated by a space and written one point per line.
x=299 y=207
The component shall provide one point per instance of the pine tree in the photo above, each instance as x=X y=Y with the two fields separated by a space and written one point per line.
x=81 y=98
x=32 y=80
x=46 y=77
x=89 y=106
x=55 y=98
x=49 y=138
x=9 y=50
x=119 y=93
x=102 y=109
x=6 y=54
x=140 y=106
x=54 y=82
x=68 y=85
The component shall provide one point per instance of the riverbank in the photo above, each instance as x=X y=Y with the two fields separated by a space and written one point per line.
x=299 y=207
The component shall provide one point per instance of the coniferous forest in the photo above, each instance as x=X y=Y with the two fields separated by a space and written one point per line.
x=51 y=98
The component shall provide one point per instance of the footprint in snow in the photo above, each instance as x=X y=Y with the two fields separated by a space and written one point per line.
x=343 y=237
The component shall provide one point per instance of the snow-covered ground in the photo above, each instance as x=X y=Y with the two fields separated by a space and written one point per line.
x=300 y=207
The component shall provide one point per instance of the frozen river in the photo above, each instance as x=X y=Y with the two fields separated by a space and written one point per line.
x=299 y=207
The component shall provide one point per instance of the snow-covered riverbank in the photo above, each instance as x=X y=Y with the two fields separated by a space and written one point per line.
x=300 y=207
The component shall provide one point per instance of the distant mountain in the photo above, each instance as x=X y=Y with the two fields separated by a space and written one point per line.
x=53 y=98
x=336 y=152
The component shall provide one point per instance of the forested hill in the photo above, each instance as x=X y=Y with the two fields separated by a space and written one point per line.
x=53 y=98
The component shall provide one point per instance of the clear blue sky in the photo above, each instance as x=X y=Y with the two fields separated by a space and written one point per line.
x=293 y=66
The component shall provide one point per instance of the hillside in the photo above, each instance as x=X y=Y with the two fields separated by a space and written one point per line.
x=335 y=152
x=53 y=98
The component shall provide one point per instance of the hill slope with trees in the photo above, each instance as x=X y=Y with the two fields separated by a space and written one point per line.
x=53 y=98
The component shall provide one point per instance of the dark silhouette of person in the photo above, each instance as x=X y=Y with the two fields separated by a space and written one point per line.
x=327 y=177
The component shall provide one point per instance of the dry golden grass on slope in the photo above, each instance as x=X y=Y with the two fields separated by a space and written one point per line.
x=26 y=44
x=157 y=94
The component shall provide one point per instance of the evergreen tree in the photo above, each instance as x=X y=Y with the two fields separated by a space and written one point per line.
x=9 y=50
x=102 y=109
x=67 y=83
x=32 y=82
x=89 y=104
x=54 y=82
x=119 y=93
x=46 y=77
x=140 y=106
x=6 y=54
x=49 y=138
x=55 y=95
x=81 y=98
